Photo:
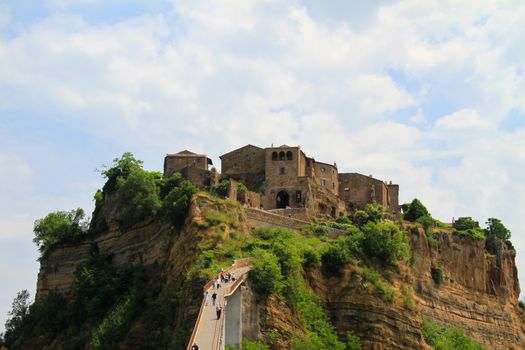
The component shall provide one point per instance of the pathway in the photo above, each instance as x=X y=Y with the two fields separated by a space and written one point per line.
x=208 y=329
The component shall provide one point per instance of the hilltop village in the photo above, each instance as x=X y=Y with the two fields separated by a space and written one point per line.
x=284 y=178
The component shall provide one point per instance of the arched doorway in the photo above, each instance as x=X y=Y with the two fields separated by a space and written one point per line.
x=283 y=200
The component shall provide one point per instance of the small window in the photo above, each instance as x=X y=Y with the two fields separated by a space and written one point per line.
x=274 y=156
x=323 y=169
x=299 y=196
x=289 y=155
x=323 y=182
x=333 y=185
x=282 y=171
x=282 y=156
x=247 y=157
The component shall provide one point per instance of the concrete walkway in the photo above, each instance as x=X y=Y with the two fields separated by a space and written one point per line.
x=208 y=329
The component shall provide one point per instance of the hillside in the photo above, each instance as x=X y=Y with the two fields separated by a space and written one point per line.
x=134 y=277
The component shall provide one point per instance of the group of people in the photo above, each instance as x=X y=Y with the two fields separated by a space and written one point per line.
x=222 y=278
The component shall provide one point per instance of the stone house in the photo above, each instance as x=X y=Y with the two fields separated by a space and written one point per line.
x=192 y=167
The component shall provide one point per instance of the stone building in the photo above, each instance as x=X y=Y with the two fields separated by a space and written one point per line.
x=285 y=178
x=192 y=167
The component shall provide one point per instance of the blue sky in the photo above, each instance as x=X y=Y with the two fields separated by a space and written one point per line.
x=426 y=94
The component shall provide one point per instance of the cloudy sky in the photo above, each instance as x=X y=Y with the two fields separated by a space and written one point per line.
x=428 y=94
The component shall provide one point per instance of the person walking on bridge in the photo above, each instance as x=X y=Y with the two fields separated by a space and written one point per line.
x=206 y=298
x=218 y=309
x=213 y=298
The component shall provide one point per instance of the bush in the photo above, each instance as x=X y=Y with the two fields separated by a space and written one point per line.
x=384 y=290
x=139 y=196
x=352 y=341
x=426 y=221
x=222 y=187
x=254 y=345
x=496 y=228
x=475 y=233
x=465 y=223
x=265 y=273
x=335 y=258
x=415 y=210
x=311 y=259
x=59 y=227
x=360 y=218
x=375 y=212
x=177 y=202
x=441 y=338
x=385 y=242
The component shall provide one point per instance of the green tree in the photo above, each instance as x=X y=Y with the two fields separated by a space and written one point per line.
x=415 y=210
x=122 y=167
x=17 y=316
x=222 y=187
x=177 y=202
x=496 y=228
x=465 y=223
x=385 y=242
x=59 y=226
x=139 y=194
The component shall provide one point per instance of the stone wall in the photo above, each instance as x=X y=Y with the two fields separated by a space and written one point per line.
x=326 y=175
x=261 y=218
x=360 y=190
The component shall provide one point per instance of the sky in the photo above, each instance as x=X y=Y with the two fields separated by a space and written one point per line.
x=427 y=94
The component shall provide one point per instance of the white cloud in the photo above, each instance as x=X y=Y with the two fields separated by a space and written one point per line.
x=462 y=119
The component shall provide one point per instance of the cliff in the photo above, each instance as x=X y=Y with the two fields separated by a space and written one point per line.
x=456 y=282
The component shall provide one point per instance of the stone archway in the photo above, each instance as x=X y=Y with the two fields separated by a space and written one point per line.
x=282 y=200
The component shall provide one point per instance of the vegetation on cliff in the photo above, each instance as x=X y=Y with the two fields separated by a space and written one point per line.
x=441 y=338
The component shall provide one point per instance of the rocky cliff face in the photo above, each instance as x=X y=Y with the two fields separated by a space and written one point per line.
x=478 y=290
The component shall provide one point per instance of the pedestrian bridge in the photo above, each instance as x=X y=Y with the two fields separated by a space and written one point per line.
x=211 y=333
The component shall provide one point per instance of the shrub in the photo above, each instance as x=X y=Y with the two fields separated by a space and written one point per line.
x=360 y=217
x=177 y=202
x=496 y=228
x=311 y=259
x=254 y=345
x=475 y=233
x=375 y=212
x=335 y=258
x=385 y=242
x=352 y=341
x=465 y=223
x=426 y=221
x=344 y=220
x=415 y=210
x=521 y=305
x=222 y=187
x=265 y=273
x=241 y=187
x=384 y=290
x=59 y=227
x=441 y=338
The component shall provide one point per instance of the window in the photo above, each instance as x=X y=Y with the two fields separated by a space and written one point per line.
x=323 y=169
x=247 y=157
x=282 y=171
x=323 y=182
x=289 y=155
x=298 y=196
x=282 y=156
x=274 y=156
